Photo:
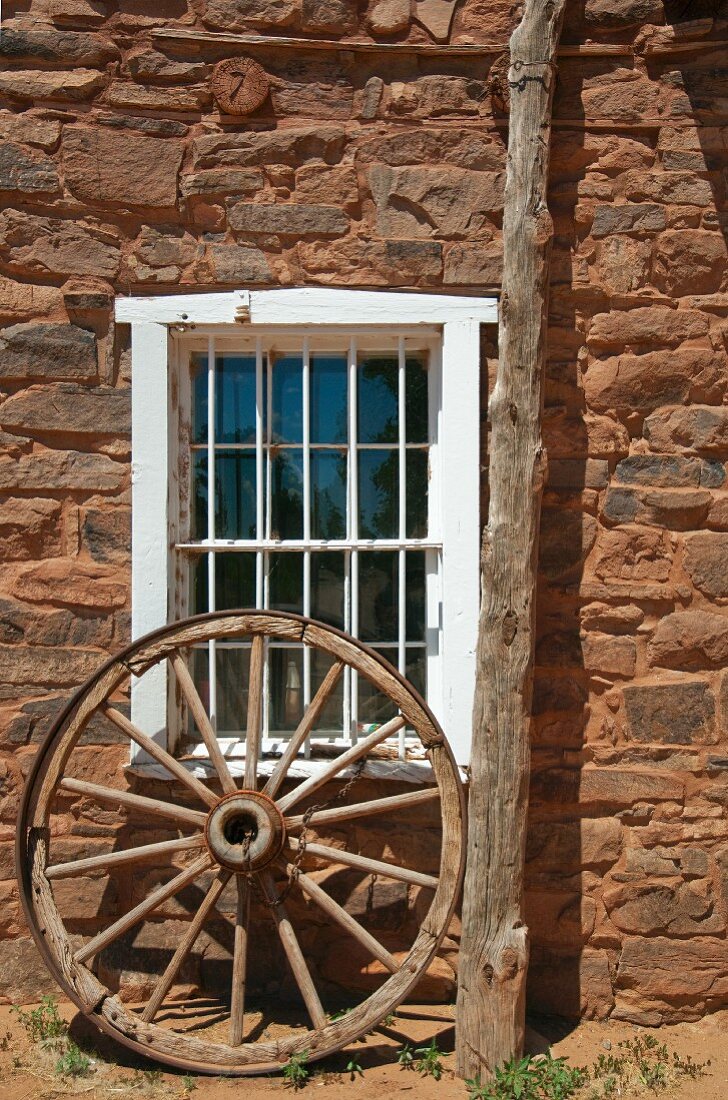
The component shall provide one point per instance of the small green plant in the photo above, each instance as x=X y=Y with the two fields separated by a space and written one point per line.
x=73 y=1062
x=188 y=1084
x=429 y=1063
x=406 y=1057
x=353 y=1068
x=339 y=1014
x=296 y=1072
x=42 y=1024
x=152 y=1076
x=529 y=1078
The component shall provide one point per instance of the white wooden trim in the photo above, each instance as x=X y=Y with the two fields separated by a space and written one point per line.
x=455 y=456
x=306 y=306
x=460 y=510
x=150 y=537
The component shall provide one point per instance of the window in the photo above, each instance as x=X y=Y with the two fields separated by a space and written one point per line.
x=318 y=454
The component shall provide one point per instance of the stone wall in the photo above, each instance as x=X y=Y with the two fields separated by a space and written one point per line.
x=119 y=175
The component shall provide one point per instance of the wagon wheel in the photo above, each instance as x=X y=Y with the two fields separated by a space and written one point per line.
x=245 y=836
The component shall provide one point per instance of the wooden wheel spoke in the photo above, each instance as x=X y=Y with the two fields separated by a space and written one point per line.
x=118 y=859
x=340 y=915
x=174 y=767
x=365 y=809
x=134 y=801
x=192 y=698
x=240 y=963
x=162 y=987
x=310 y=717
x=303 y=790
x=155 y=899
x=363 y=863
x=294 y=955
x=255 y=711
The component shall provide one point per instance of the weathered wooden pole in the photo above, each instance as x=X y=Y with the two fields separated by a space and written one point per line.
x=494 y=947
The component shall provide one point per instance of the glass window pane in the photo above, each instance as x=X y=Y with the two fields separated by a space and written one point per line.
x=377 y=399
x=378 y=587
x=234 y=582
x=417 y=669
x=286 y=687
x=235 y=516
x=328 y=573
x=378 y=494
x=330 y=721
x=417 y=486
x=328 y=495
x=329 y=399
x=415 y=595
x=287 y=495
x=285 y=582
x=199 y=666
x=199 y=495
x=235 y=399
x=287 y=400
x=416 y=418
x=233 y=675
x=198 y=371
x=374 y=708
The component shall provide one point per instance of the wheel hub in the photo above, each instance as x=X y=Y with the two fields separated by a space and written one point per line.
x=245 y=831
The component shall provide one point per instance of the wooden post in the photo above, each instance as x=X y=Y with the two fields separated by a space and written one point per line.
x=494 y=948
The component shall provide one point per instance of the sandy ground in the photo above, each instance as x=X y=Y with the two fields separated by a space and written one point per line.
x=27 y=1073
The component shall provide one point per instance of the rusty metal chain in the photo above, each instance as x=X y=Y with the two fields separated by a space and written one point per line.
x=295 y=867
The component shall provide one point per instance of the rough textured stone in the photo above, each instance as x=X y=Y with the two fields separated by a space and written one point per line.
x=233 y=15
x=29 y=528
x=705 y=562
x=669 y=188
x=132 y=169
x=123 y=94
x=52 y=246
x=463 y=148
x=571 y=986
x=222 y=181
x=66 y=583
x=47 y=352
x=434 y=202
x=611 y=620
x=569 y=845
x=690 y=640
x=474 y=264
x=36 y=84
x=647 y=326
x=24 y=40
x=672 y=969
x=641 y=383
x=623 y=13
x=388 y=16
x=689 y=261
x=25 y=976
x=30 y=128
x=232 y=263
x=373 y=263
x=288 y=219
x=629 y=218
x=23 y=301
x=647 y=908
x=623 y=264
x=336 y=16
x=697 y=427
x=106 y=534
x=671 y=714
x=565 y=540
x=559 y=918
x=676 y=509
x=44 y=665
x=609 y=656
x=293 y=145
x=320 y=184
x=145 y=64
x=49 y=470
x=69 y=408
x=26 y=171
x=669 y=471
x=633 y=554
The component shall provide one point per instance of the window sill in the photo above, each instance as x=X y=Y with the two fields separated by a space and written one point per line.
x=402 y=771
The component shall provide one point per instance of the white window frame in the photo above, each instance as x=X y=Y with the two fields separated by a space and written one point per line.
x=154 y=322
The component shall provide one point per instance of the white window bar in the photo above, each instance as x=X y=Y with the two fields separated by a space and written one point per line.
x=211 y=646
x=402 y=555
x=269 y=362
x=351 y=718
x=259 y=471
x=306 y=423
